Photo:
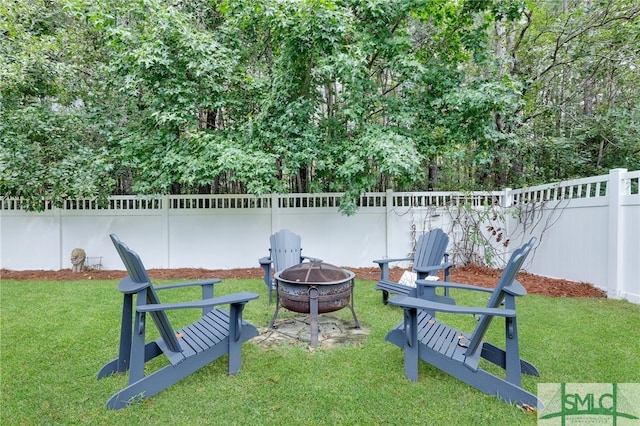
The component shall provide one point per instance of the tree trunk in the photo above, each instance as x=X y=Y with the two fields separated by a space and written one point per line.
x=433 y=177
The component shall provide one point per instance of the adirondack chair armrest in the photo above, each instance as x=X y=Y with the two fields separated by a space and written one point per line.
x=417 y=303
x=515 y=289
x=440 y=267
x=265 y=264
x=383 y=261
x=449 y=284
x=189 y=284
x=128 y=286
x=264 y=261
x=311 y=259
x=228 y=299
x=384 y=266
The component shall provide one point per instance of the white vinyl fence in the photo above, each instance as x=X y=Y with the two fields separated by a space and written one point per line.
x=588 y=229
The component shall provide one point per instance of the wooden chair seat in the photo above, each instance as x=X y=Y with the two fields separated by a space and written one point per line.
x=438 y=337
x=198 y=337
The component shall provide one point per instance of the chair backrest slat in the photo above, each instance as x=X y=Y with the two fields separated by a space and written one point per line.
x=138 y=274
x=286 y=249
x=508 y=275
x=431 y=248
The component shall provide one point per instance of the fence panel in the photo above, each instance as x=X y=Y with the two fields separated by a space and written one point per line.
x=589 y=229
x=30 y=240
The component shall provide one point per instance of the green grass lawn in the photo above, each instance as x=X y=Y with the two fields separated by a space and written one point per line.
x=57 y=335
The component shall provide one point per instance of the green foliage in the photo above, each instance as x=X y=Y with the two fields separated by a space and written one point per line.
x=580 y=71
x=613 y=137
x=467 y=124
x=315 y=95
x=44 y=157
x=50 y=146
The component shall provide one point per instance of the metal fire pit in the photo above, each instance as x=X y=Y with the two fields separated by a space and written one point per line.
x=314 y=288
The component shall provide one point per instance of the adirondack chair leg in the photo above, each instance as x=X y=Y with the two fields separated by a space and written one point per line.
x=446 y=275
x=513 y=367
x=512 y=363
x=275 y=314
x=235 y=344
x=136 y=369
x=125 y=333
x=411 y=347
x=151 y=350
x=207 y=293
x=384 y=271
x=121 y=364
x=267 y=279
x=384 y=275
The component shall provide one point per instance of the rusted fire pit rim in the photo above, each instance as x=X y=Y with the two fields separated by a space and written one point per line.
x=348 y=275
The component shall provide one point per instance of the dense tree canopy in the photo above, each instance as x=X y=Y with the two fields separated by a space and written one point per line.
x=257 y=96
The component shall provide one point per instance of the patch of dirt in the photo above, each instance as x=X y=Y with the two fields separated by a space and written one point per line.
x=471 y=274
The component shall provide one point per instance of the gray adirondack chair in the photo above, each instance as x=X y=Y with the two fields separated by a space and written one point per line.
x=285 y=251
x=429 y=258
x=457 y=353
x=216 y=333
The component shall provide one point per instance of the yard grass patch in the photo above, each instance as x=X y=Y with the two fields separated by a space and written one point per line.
x=56 y=335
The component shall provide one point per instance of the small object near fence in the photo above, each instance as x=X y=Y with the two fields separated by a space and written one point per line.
x=93 y=263
x=78 y=257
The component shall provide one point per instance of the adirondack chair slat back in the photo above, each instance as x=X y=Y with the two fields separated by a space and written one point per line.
x=138 y=274
x=508 y=276
x=430 y=248
x=286 y=249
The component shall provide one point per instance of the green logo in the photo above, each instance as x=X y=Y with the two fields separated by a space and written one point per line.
x=589 y=403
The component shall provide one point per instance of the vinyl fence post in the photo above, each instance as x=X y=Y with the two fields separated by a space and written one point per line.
x=507 y=198
x=166 y=244
x=275 y=213
x=506 y=204
x=615 y=261
x=57 y=214
x=387 y=231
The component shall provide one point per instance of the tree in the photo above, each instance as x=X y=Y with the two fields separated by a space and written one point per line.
x=578 y=62
x=317 y=95
x=49 y=148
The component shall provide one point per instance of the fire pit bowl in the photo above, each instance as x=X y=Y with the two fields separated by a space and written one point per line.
x=314 y=288
x=296 y=285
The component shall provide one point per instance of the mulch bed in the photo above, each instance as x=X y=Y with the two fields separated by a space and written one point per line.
x=471 y=274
